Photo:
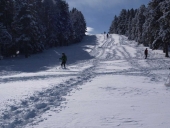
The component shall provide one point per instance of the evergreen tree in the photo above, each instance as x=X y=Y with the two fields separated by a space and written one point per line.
x=64 y=23
x=114 y=26
x=139 y=24
x=48 y=17
x=133 y=34
x=6 y=15
x=26 y=26
x=151 y=26
x=122 y=20
x=129 y=23
x=147 y=25
x=31 y=25
x=164 y=23
x=5 y=39
x=78 y=25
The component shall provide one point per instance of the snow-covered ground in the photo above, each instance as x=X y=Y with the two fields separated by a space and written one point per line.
x=107 y=84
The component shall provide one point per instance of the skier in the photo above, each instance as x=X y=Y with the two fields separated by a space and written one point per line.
x=63 y=60
x=107 y=35
x=146 y=53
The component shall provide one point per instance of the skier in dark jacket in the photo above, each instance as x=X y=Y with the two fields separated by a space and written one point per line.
x=63 y=60
x=146 y=53
x=107 y=35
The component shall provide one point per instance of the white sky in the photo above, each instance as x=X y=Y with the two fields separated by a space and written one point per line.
x=100 y=13
x=107 y=84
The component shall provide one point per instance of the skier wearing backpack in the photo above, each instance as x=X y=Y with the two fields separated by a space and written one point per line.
x=63 y=60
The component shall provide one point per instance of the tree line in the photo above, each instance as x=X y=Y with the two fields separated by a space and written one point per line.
x=149 y=25
x=30 y=26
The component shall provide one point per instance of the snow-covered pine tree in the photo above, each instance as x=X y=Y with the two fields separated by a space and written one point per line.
x=2 y=11
x=114 y=25
x=29 y=25
x=49 y=19
x=122 y=20
x=140 y=21
x=151 y=25
x=5 y=40
x=123 y=24
x=78 y=25
x=82 y=25
x=41 y=25
x=26 y=26
x=133 y=34
x=6 y=15
x=63 y=23
x=164 y=23
x=7 y=10
x=129 y=22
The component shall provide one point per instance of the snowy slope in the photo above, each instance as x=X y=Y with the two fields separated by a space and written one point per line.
x=107 y=83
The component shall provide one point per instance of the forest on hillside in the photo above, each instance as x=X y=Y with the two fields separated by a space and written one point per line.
x=30 y=26
x=149 y=25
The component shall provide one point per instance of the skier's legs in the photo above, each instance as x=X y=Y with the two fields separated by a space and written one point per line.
x=64 y=63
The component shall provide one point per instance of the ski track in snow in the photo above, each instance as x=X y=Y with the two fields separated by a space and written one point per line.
x=24 y=112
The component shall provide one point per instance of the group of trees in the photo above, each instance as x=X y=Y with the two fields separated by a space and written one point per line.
x=147 y=25
x=30 y=26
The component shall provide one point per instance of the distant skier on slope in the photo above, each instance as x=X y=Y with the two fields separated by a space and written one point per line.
x=107 y=35
x=63 y=60
x=146 y=53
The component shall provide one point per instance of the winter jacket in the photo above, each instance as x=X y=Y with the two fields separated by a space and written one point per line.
x=63 y=58
x=146 y=52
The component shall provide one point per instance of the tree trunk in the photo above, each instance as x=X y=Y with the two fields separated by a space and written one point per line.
x=166 y=50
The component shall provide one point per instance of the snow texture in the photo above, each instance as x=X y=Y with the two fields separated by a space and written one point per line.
x=107 y=83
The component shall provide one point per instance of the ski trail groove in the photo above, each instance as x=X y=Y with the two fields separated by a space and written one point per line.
x=24 y=112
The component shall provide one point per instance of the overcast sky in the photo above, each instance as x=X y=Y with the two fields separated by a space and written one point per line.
x=100 y=13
